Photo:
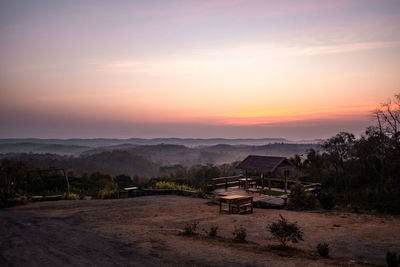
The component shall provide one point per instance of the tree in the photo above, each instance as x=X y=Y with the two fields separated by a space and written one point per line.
x=314 y=165
x=123 y=180
x=388 y=118
x=339 y=149
x=12 y=176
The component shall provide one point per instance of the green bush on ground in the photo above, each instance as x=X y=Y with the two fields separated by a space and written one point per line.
x=172 y=185
x=213 y=231
x=285 y=232
x=190 y=228
x=71 y=196
x=239 y=234
x=323 y=249
x=110 y=191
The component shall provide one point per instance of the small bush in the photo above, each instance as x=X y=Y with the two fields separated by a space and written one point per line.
x=392 y=259
x=110 y=191
x=190 y=228
x=71 y=196
x=323 y=249
x=300 y=199
x=285 y=232
x=213 y=231
x=239 y=235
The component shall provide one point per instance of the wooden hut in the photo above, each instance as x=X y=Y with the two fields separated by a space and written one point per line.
x=267 y=167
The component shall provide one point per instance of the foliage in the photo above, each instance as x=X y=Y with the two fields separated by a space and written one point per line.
x=190 y=228
x=213 y=231
x=3 y=197
x=323 y=249
x=327 y=200
x=239 y=234
x=300 y=199
x=172 y=185
x=360 y=172
x=84 y=186
x=110 y=191
x=285 y=232
x=13 y=201
x=71 y=196
x=392 y=259
x=388 y=118
x=123 y=180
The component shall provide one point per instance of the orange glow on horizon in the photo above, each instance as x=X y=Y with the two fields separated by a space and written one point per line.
x=292 y=115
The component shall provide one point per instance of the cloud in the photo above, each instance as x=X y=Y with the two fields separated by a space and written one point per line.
x=346 y=48
x=230 y=57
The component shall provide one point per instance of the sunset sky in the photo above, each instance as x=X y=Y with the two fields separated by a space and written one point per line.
x=224 y=68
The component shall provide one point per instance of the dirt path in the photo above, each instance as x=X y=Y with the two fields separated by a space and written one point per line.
x=145 y=232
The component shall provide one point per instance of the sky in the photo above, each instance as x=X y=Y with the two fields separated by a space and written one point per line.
x=224 y=68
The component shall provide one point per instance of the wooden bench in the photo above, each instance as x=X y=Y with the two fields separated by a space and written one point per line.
x=242 y=205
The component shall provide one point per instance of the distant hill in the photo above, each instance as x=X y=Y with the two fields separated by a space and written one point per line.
x=78 y=146
x=30 y=147
x=142 y=160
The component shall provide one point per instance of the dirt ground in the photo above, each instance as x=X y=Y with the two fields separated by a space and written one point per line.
x=145 y=231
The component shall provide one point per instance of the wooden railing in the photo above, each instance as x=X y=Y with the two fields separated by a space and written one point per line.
x=225 y=182
x=230 y=181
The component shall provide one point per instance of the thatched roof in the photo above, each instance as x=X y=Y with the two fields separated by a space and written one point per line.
x=263 y=164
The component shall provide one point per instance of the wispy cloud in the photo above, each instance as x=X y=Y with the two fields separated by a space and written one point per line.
x=226 y=58
x=346 y=47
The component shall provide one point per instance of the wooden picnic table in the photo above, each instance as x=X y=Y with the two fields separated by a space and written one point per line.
x=229 y=200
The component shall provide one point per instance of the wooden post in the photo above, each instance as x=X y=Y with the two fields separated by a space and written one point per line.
x=285 y=185
x=66 y=178
x=245 y=185
x=213 y=184
x=262 y=181
x=285 y=181
x=226 y=184
x=269 y=187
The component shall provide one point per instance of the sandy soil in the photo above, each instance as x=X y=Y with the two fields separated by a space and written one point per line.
x=145 y=231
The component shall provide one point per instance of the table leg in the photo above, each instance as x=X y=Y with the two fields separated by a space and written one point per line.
x=220 y=206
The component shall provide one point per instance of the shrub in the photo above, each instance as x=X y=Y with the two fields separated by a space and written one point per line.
x=71 y=196
x=13 y=201
x=190 y=228
x=239 y=235
x=285 y=232
x=327 y=200
x=213 y=231
x=392 y=259
x=323 y=249
x=110 y=191
x=300 y=199
x=172 y=185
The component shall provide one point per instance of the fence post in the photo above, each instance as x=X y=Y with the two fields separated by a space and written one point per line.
x=226 y=184
x=269 y=187
x=262 y=181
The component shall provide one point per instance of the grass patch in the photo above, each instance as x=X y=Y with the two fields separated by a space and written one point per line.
x=273 y=193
